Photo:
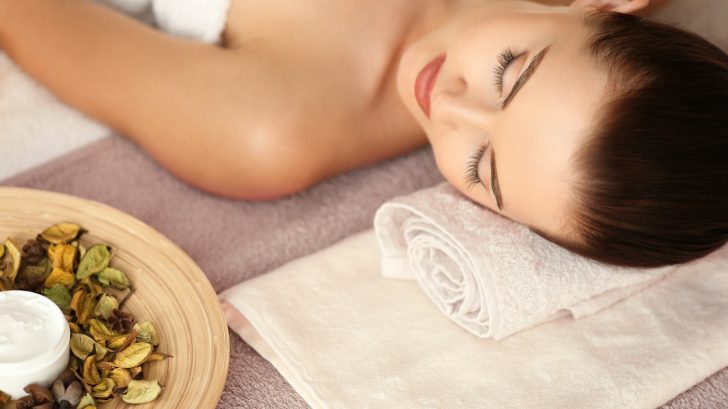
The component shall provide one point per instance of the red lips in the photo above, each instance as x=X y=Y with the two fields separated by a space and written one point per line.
x=425 y=82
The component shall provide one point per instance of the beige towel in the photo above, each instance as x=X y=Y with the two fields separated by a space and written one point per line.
x=345 y=337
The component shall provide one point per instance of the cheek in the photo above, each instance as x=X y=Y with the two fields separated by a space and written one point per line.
x=448 y=159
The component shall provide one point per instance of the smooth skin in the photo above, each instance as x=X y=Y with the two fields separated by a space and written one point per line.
x=528 y=139
x=300 y=91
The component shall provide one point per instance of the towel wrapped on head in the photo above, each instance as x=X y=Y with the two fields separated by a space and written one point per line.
x=489 y=274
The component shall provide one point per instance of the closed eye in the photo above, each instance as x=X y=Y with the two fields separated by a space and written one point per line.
x=505 y=58
x=472 y=173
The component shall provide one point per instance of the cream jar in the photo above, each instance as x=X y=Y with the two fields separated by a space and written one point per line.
x=34 y=341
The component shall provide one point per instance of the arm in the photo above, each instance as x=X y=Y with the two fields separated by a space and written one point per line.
x=191 y=105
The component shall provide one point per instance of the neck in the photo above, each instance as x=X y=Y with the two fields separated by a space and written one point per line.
x=433 y=14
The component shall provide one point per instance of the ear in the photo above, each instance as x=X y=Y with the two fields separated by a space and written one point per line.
x=620 y=6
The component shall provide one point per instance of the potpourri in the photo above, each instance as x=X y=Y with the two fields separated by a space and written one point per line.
x=108 y=346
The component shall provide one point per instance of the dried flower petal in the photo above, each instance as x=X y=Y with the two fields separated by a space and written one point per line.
x=105 y=306
x=117 y=342
x=90 y=372
x=113 y=277
x=100 y=331
x=121 y=321
x=105 y=366
x=72 y=394
x=76 y=299
x=101 y=351
x=26 y=402
x=104 y=389
x=85 y=308
x=81 y=250
x=59 y=391
x=126 y=341
x=58 y=275
x=14 y=253
x=87 y=402
x=133 y=355
x=135 y=372
x=94 y=261
x=68 y=377
x=33 y=252
x=61 y=232
x=120 y=295
x=39 y=393
x=157 y=356
x=141 y=391
x=32 y=276
x=59 y=294
x=147 y=332
x=5 y=284
x=62 y=256
x=121 y=377
x=74 y=327
x=82 y=345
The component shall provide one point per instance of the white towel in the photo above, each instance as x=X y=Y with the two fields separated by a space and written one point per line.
x=35 y=126
x=202 y=20
x=345 y=337
x=491 y=275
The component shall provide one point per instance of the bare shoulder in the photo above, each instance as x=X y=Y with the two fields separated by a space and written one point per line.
x=312 y=107
x=301 y=120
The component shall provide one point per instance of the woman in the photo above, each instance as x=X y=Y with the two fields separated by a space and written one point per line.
x=609 y=131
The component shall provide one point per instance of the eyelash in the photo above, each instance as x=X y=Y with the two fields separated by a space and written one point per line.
x=505 y=58
x=472 y=176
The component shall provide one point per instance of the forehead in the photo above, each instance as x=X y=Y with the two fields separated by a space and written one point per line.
x=546 y=122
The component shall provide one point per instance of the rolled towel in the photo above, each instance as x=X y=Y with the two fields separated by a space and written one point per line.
x=489 y=274
x=202 y=20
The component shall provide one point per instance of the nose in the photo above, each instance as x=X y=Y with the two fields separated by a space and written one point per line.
x=458 y=106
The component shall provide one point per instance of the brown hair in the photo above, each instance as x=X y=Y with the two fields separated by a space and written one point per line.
x=652 y=179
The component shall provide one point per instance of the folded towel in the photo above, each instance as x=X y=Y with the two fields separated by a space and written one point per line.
x=35 y=126
x=491 y=275
x=345 y=337
x=202 y=20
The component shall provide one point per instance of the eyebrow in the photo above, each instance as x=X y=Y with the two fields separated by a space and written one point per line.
x=520 y=82
x=525 y=76
x=494 y=185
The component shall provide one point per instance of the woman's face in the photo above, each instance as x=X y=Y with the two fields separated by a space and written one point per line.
x=515 y=96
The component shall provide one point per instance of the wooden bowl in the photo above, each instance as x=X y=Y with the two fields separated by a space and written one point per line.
x=170 y=290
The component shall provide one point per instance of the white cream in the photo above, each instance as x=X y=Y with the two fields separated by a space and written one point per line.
x=34 y=341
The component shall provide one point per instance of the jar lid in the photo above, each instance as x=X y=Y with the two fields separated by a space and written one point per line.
x=33 y=332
